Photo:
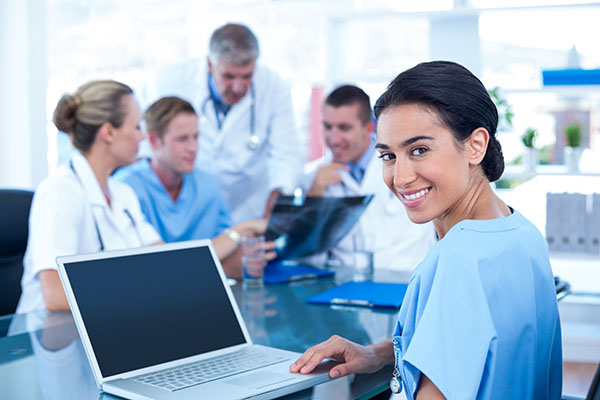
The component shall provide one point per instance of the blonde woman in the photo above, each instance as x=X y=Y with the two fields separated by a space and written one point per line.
x=81 y=209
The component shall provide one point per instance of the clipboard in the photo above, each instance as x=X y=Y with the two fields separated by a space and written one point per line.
x=280 y=272
x=363 y=294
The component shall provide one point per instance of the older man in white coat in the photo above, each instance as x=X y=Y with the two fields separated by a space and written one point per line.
x=352 y=167
x=248 y=138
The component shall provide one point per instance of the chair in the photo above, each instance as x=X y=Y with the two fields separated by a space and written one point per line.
x=563 y=288
x=594 y=390
x=14 y=220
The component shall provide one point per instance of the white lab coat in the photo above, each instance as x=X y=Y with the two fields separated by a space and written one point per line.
x=61 y=223
x=246 y=177
x=399 y=243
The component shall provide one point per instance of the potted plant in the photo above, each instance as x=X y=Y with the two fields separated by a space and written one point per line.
x=531 y=153
x=505 y=113
x=573 y=150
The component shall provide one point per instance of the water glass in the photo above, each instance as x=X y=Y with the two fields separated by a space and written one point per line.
x=253 y=261
x=364 y=244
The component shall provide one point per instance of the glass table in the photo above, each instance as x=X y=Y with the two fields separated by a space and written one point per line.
x=41 y=355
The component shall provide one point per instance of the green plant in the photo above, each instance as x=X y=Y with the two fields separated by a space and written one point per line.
x=573 y=134
x=509 y=183
x=546 y=154
x=505 y=112
x=528 y=138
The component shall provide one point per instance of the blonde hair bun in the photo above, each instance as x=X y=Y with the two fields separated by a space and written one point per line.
x=93 y=104
x=65 y=112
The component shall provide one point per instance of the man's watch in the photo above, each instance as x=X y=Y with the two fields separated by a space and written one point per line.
x=233 y=235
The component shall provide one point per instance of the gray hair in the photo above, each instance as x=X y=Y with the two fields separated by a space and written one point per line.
x=233 y=43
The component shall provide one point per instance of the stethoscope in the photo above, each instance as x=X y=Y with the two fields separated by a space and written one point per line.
x=126 y=211
x=396 y=381
x=253 y=141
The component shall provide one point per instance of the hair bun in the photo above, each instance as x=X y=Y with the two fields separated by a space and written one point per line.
x=65 y=112
x=493 y=162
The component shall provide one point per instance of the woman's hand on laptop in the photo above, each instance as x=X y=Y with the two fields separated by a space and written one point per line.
x=353 y=357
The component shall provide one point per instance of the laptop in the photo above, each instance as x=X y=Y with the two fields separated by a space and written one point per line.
x=161 y=322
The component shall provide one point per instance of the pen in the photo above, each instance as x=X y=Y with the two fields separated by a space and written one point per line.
x=299 y=277
x=351 y=302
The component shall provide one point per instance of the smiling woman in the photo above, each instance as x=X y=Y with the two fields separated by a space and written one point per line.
x=440 y=126
x=484 y=295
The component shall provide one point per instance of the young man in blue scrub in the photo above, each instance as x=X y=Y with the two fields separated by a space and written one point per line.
x=180 y=201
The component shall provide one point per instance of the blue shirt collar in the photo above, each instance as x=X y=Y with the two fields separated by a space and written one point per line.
x=365 y=158
x=214 y=93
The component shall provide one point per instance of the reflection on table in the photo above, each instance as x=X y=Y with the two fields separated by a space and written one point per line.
x=41 y=355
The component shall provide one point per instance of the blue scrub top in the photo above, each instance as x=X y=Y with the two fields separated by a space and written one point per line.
x=200 y=211
x=480 y=317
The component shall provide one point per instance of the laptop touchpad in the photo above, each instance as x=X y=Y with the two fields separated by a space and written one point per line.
x=260 y=379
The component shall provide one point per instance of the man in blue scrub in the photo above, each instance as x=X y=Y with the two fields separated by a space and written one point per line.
x=180 y=201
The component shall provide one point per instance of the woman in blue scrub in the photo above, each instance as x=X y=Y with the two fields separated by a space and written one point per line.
x=480 y=318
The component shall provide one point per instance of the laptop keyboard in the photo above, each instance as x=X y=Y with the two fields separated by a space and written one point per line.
x=187 y=375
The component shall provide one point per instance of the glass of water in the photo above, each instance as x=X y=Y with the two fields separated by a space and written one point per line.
x=253 y=261
x=362 y=269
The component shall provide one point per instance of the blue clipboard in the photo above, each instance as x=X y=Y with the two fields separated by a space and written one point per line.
x=280 y=272
x=364 y=294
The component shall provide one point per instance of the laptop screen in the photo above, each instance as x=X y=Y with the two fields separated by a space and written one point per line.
x=146 y=309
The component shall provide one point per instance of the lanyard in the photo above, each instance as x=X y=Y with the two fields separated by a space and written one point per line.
x=126 y=211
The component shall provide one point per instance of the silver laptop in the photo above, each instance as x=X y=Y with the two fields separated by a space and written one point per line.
x=160 y=322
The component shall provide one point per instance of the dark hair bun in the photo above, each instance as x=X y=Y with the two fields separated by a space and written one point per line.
x=493 y=162
x=64 y=114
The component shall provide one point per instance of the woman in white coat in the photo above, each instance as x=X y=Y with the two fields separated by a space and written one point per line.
x=81 y=209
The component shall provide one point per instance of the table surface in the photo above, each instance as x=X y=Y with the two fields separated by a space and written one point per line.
x=41 y=355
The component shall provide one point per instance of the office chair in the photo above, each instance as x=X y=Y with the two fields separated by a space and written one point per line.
x=594 y=390
x=563 y=288
x=14 y=220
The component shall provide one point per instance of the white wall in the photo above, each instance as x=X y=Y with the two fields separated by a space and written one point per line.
x=456 y=38
x=23 y=63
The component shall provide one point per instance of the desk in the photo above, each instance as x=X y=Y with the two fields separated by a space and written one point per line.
x=42 y=356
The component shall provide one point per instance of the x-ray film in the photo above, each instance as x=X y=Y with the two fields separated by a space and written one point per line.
x=303 y=228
